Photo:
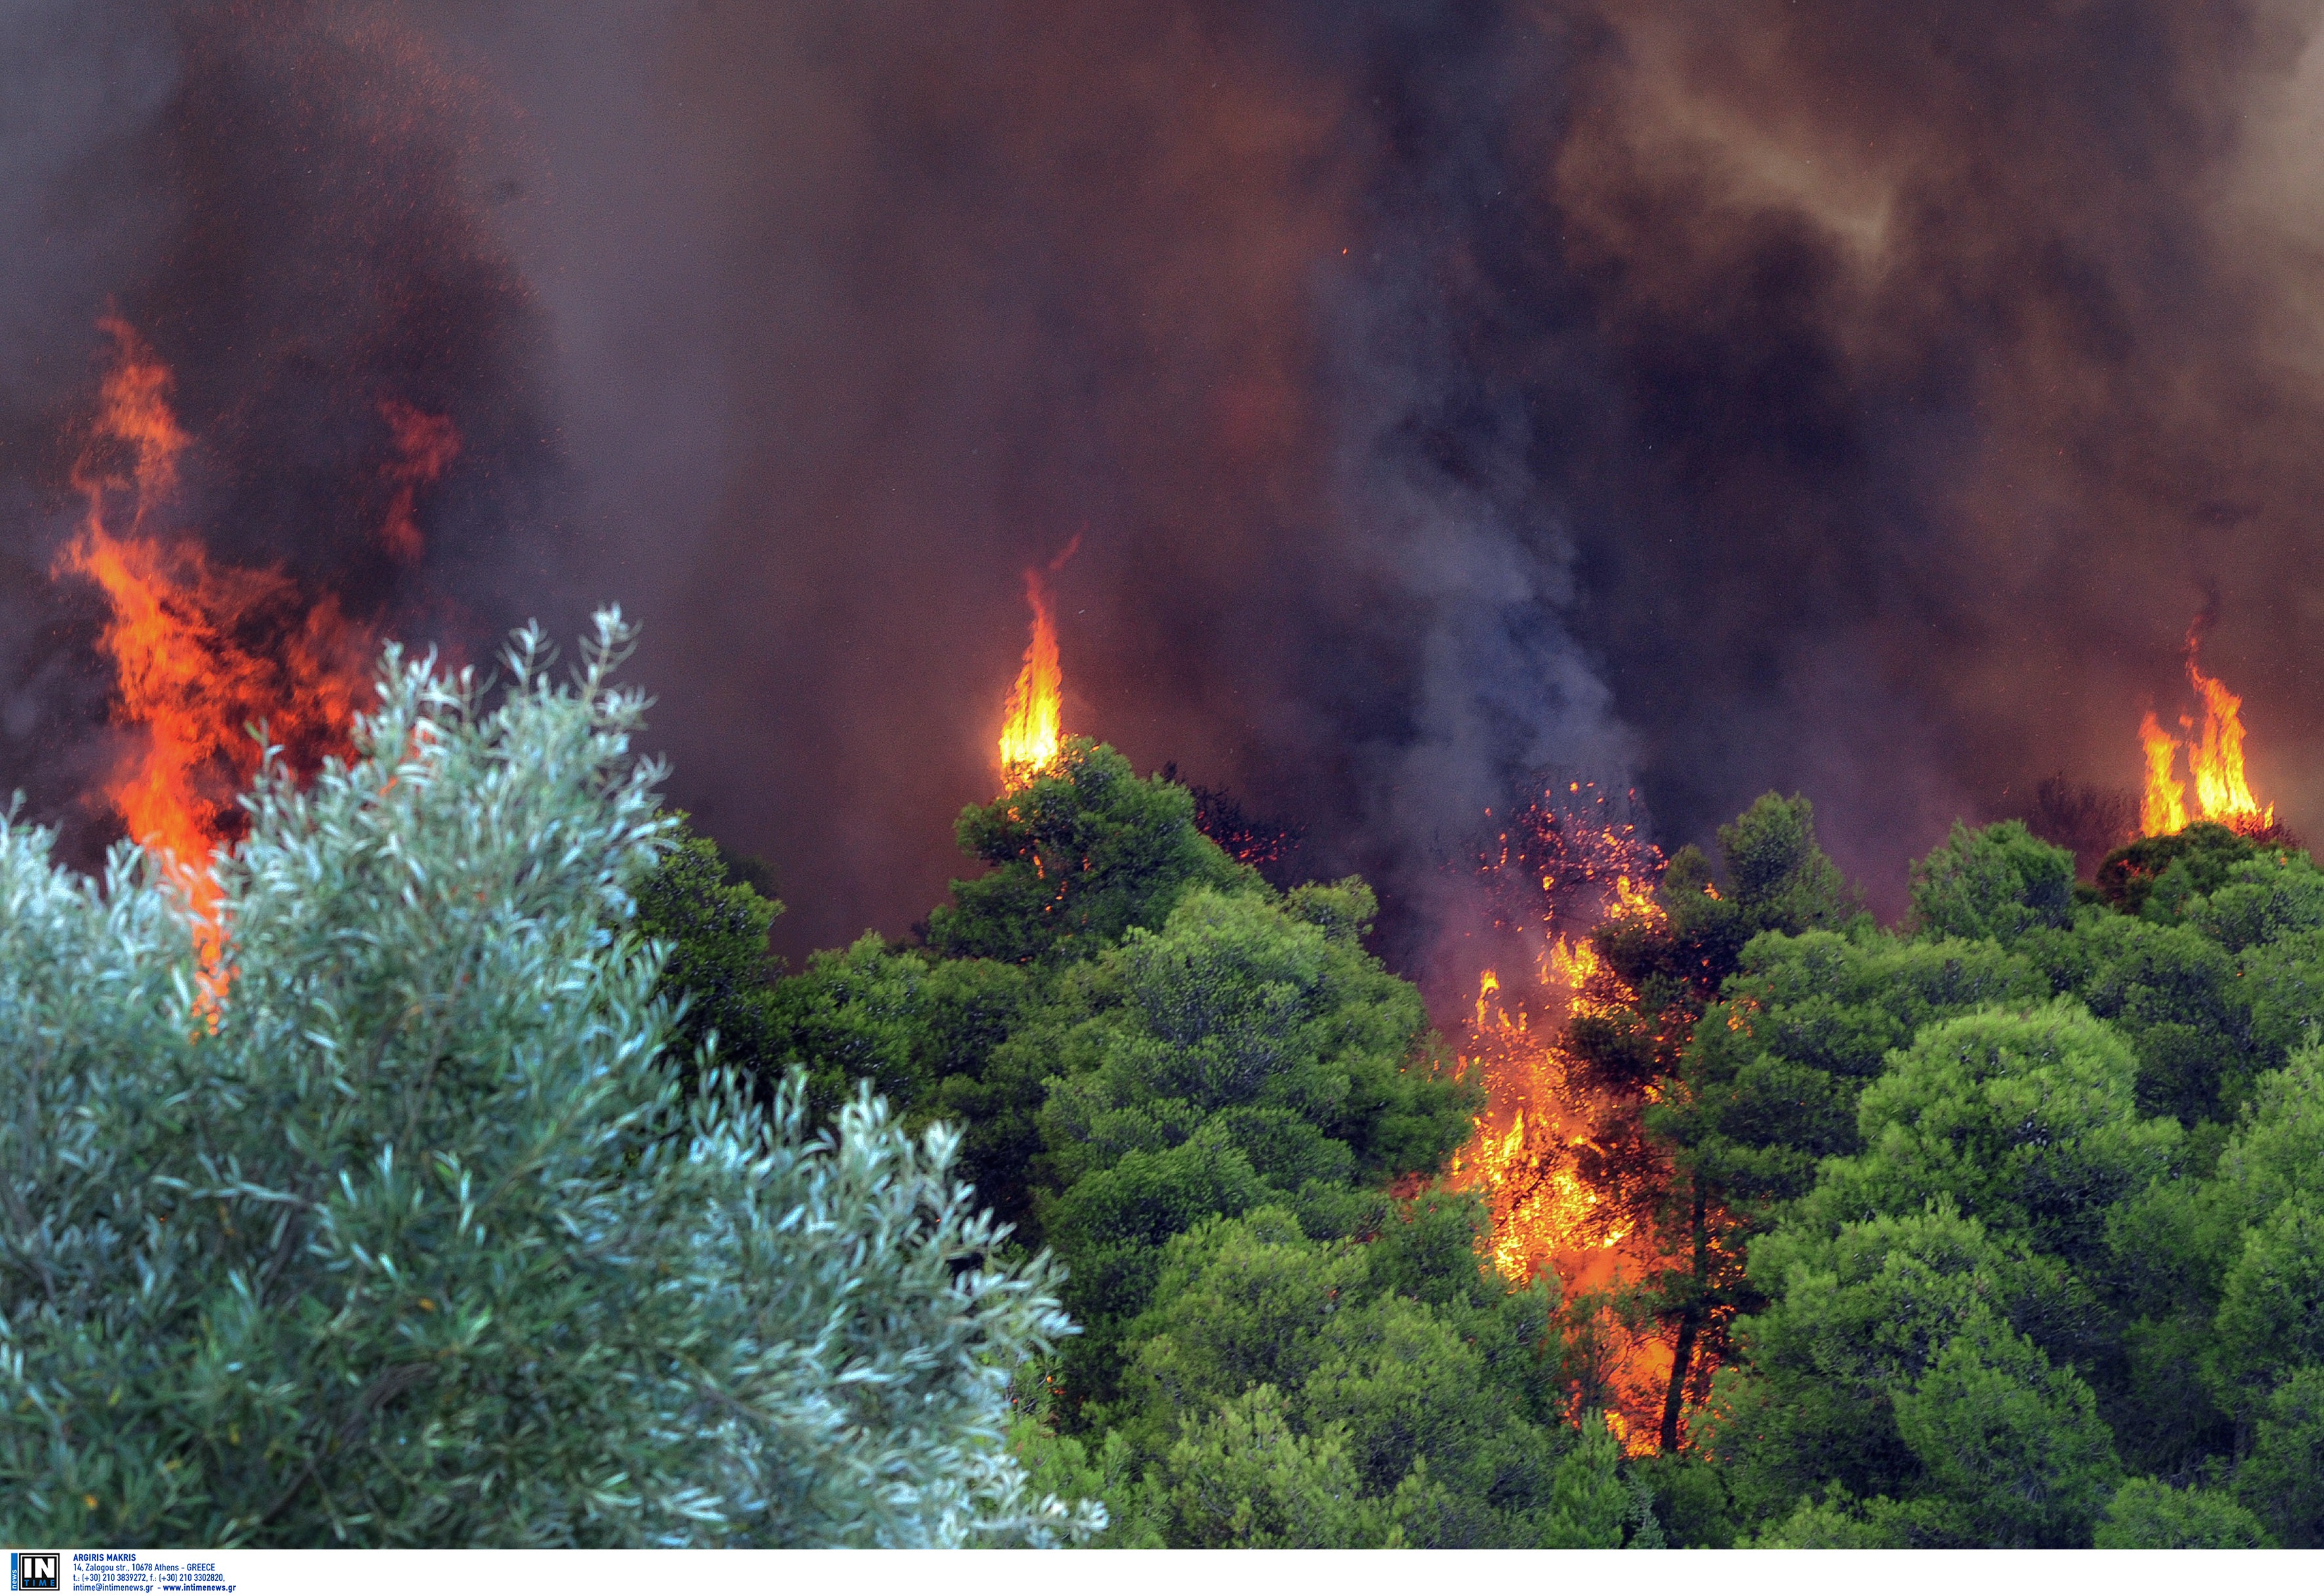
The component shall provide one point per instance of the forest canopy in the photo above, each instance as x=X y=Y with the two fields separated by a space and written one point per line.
x=502 y=1191
x=1994 y=1228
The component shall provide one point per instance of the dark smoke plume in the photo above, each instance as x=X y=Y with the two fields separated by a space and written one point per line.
x=1849 y=399
x=959 y=282
x=1944 y=360
x=273 y=198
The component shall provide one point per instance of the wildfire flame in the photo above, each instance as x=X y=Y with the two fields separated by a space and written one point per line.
x=2215 y=763
x=2163 y=806
x=1538 y=1153
x=202 y=652
x=1544 y=1214
x=1031 y=729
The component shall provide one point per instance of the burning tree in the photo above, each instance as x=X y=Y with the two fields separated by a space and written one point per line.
x=1268 y=846
x=1032 y=721
x=1220 y=1109
x=2215 y=764
x=1591 y=1156
x=2185 y=848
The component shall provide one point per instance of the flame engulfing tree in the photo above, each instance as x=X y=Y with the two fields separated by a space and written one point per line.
x=2215 y=764
x=1216 y=1105
x=1032 y=724
x=407 y=1237
x=2030 y=1185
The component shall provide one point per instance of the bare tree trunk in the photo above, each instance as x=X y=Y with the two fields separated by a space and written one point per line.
x=1688 y=1325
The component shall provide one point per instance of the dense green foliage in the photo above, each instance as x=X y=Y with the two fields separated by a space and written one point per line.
x=1199 y=1091
x=406 y=1235
x=2033 y=1188
x=1079 y=857
x=505 y=1194
x=716 y=970
x=1999 y=1229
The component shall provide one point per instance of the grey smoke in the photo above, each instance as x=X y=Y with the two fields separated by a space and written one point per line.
x=1807 y=396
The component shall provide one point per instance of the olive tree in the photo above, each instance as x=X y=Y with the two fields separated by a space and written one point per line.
x=392 y=1226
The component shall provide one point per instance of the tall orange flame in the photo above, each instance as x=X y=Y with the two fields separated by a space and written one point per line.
x=2215 y=763
x=2163 y=806
x=202 y=652
x=1031 y=727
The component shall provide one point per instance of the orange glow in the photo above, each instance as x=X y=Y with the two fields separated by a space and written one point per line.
x=1570 y=964
x=1530 y=1156
x=2215 y=764
x=425 y=447
x=201 y=651
x=2163 y=806
x=1547 y=1154
x=1486 y=986
x=1031 y=728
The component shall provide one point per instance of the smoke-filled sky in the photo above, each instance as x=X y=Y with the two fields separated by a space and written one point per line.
x=1844 y=398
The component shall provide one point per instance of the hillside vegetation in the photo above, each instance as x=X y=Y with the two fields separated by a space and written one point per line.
x=2001 y=1227
x=492 y=1189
